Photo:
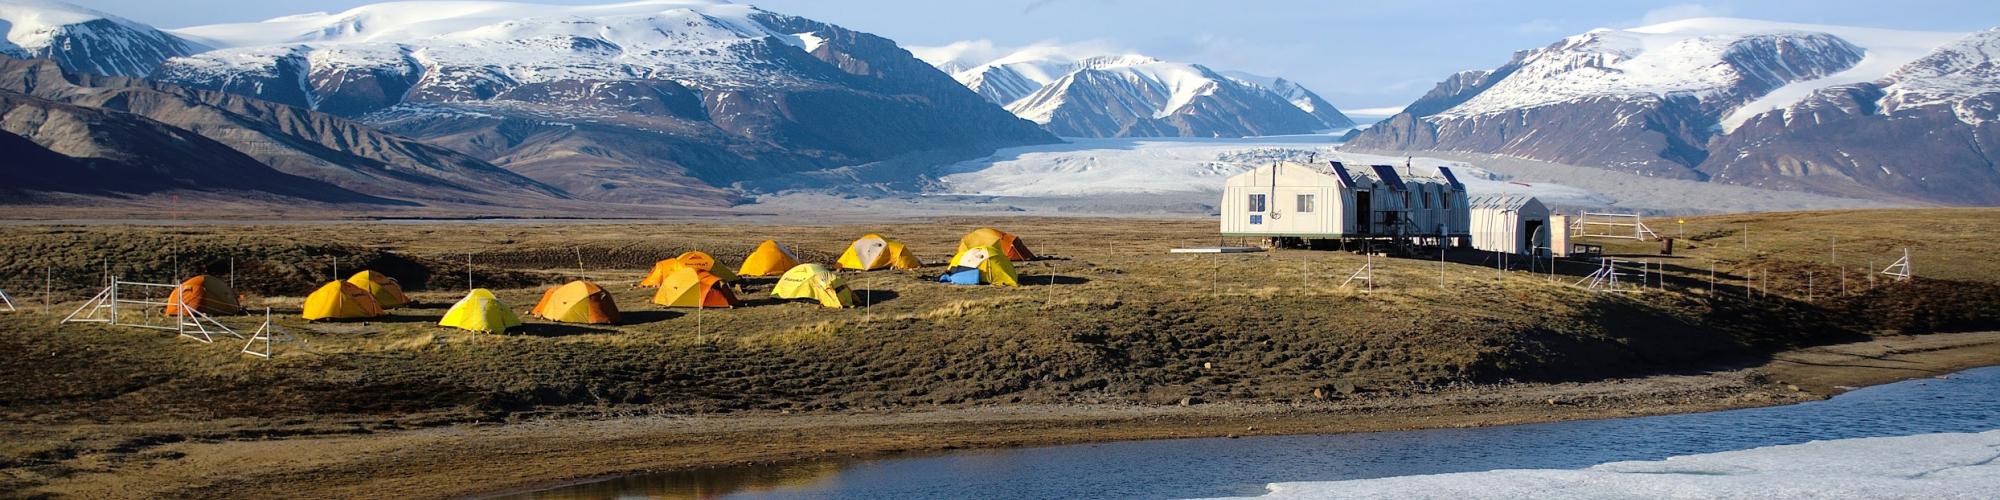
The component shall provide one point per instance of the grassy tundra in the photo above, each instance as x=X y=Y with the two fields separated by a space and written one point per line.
x=1109 y=320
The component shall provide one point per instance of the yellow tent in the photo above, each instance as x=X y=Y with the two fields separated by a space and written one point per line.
x=769 y=259
x=1016 y=249
x=480 y=311
x=873 y=252
x=202 y=294
x=577 y=302
x=697 y=260
x=981 y=265
x=690 y=287
x=388 y=293
x=340 y=300
x=814 y=281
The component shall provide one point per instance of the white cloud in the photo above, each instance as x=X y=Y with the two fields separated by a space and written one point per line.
x=964 y=54
x=1682 y=11
x=1537 y=27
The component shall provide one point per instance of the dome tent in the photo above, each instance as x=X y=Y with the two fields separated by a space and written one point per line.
x=690 y=287
x=340 y=300
x=873 y=252
x=769 y=259
x=480 y=311
x=980 y=265
x=203 y=295
x=696 y=260
x=814 y=281
x=387 y=291
x=1016 y=249
x=578 y=301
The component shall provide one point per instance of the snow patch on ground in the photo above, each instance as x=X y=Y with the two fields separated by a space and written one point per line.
x=1940 y=466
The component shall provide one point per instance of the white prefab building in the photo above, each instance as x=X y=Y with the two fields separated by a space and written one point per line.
x=1513 y=224
x=1321 y=202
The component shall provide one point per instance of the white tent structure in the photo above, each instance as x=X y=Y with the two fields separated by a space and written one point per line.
x=1514 y=224
x=1330 y=202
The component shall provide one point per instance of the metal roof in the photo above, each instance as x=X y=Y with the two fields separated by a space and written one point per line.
x=1500 y=202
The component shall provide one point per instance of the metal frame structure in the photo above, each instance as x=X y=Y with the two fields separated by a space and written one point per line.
x=1901 y=268
x=1366 y=275
x=269 y=333
x=1587 y=220
x=1605 y=278
x=7 y=300
x=104 y=307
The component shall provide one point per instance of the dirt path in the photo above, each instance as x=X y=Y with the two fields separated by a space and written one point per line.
x=463 y=460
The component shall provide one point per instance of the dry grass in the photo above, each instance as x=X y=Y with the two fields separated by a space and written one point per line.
x=1110 y=318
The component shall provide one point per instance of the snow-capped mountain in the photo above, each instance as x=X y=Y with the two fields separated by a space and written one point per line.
x=85 y=40
x=1668 y=99
x=1085 y=92
x=1929 y=131
x=647 y=101
x=1300 y=97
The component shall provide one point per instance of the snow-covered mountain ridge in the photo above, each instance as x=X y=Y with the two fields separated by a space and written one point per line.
x=1092 y=92
x=650 y=101
x=81 y=39
x=1865 y=112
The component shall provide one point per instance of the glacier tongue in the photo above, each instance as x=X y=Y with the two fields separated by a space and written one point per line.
x=1940 y=466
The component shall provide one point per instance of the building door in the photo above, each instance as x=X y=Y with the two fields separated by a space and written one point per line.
x=1363 y=211
x=1534 y=232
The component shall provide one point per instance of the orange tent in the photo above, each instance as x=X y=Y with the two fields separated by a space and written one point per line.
x=769 y=259
x=689 y=287
x=340 y=300
x=204 y=296
x=577 y=302
x=1016 y=249
x=387 y=291
x=696 y=260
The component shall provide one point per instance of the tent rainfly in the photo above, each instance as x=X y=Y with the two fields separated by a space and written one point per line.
x=769 y=259
x=980 y=265
x=577 y=302
x=816 y=282
x=340 y=300
x=1515 y=224
x=873 y=252
x=690 y=287
x=700 y=261
x=480 y=311
x=205 y=295
x=1016 y=249
x=387 y=291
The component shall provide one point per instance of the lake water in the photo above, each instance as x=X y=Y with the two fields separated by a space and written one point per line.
x=1963 y=402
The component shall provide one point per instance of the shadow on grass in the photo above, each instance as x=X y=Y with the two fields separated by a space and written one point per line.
x=557 y=329
x=644 y=316
x=1058 y=280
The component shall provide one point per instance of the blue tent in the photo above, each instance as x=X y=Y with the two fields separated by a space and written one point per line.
x=961 y=276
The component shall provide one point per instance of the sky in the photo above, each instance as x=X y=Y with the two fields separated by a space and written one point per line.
x=1369 y=56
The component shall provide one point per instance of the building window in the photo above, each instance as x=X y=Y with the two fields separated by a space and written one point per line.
x=1444 y=200
x=1406 y=200
x=1427 y=200
x=1257 y=203
x=1305 y=203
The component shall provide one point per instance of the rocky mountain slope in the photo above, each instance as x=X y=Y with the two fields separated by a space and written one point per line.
x=656 y=101
x=1087 y=94
x=169 y=137
x=1705 y=99
x=85 y=40
x=52 y=147
x=1929 y=131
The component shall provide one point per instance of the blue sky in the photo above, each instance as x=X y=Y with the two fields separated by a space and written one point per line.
x=1357 y=54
